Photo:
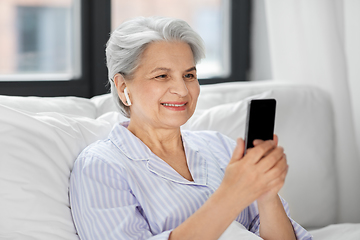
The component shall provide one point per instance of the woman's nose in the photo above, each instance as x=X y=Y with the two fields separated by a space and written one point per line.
x=178 y=86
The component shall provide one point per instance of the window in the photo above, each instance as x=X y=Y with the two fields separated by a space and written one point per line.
x=57 y=47
x=44 y=39
x=224 y=26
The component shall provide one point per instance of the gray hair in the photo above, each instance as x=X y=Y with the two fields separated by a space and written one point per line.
x=130 y=39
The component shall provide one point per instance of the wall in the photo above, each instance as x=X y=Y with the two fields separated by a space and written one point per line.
x=352 y=41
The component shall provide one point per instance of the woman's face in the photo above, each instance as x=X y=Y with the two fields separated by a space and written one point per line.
x=165 y=89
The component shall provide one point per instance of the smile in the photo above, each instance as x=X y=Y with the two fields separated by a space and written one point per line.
x=173 y=105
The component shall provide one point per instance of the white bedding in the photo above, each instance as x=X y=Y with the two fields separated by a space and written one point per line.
x=237 y=231
x=345 y=231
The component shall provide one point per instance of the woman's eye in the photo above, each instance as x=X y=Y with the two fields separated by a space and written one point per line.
x=189 y=76
x=163 y=76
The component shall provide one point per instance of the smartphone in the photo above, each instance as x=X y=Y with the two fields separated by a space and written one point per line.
x=260 y=121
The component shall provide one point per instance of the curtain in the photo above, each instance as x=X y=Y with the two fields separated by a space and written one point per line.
x=303 y=41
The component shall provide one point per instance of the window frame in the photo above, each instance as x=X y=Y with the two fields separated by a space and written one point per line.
x=240 y=16
x=95 y=31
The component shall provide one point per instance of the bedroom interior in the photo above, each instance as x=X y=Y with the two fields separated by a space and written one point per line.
x=305 y=54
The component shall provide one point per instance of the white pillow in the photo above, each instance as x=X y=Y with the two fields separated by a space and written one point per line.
x=104 y=103
x=228 y=119
x=67 y=105
x=304 y=124
x=37 y=152
x=212 y=95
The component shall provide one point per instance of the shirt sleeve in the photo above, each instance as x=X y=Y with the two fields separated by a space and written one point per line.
x=103 y=206
x=300 y=232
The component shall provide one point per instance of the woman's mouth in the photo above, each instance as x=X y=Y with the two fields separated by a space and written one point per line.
x=179 y=106
x=173 y=105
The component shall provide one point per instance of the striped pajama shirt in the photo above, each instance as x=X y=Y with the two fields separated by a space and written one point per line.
x=119 y=189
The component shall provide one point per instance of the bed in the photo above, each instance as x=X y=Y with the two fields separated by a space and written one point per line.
x=41 y=137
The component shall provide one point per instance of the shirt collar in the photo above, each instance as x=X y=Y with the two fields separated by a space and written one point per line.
x=128 y=143
x=136 y=150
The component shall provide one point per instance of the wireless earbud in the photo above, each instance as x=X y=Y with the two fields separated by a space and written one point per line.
x=127 y=97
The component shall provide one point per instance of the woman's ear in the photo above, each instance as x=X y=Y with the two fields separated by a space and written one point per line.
x=120 y=85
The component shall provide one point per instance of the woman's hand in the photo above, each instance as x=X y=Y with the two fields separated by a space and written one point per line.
x=280 y=170
x=259 y=174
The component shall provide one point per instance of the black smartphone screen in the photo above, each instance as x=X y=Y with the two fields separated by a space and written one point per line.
x=260 y=121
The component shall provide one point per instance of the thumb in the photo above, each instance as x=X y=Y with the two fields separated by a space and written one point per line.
x=238 y=151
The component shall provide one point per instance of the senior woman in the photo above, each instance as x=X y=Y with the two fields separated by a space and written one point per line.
x=150 y=179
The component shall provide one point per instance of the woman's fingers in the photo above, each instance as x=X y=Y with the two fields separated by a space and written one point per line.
x=271 y=159
x=278 y=169
x=272 y=166
x=238 y=151
x=275 y=139
x=277 y=178
x=263 y=169
x=262 y=149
